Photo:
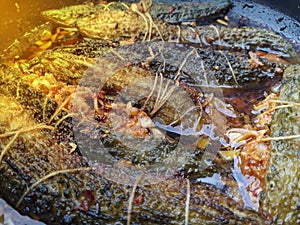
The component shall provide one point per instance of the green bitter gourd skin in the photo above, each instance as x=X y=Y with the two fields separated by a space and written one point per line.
x=281 y=198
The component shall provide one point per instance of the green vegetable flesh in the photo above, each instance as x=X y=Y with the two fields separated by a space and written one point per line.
x=281 y=199
x=189 y=11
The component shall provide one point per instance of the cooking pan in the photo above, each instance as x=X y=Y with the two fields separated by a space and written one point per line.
x=281 y=17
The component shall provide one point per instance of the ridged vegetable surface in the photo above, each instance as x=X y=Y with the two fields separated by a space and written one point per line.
x=281 y=198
